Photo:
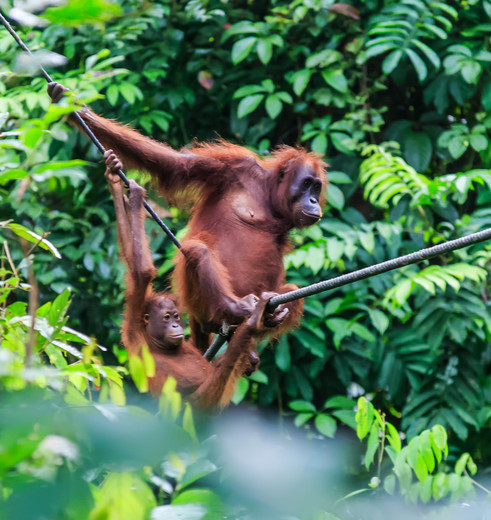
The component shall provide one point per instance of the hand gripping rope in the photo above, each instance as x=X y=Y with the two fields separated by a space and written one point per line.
x=362 y=274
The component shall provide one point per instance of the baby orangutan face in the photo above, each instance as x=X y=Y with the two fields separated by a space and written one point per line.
x=163 y=323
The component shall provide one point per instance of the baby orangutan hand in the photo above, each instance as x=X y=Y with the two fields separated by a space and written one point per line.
x=113 y=164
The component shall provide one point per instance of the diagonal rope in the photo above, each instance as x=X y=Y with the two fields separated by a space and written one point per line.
x=90 y=134
x=383 y=267
x=362 y=274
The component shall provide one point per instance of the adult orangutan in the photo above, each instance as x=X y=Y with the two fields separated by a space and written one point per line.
x=153 y=319
x=242 y=210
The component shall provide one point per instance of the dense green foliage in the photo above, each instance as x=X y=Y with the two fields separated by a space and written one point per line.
x=395 y=94
x=72 y=447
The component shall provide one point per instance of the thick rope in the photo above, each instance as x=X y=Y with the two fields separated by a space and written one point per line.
x=362 y=274
x=383 y=267
x=90 y=134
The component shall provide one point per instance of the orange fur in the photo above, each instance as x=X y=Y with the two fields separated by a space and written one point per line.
x=206 y=385
x=242 y=211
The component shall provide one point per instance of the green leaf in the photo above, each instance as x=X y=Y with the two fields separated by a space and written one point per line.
x=148 y=361
x=335 y=249
x=326 y=425
x=457 y=146
x=128 y=92
x=276 y=39
x=379 y=319
x=323 y=58
x=429 y=459
x=242 y=48
x=339 y=177
x=249 y=104
x=282 y=355
x=259 y=377
x=335 y=197
x=335 y=79
x=340 y=328
x=116 y=393
x=273 y=106
x=413 y=452
x=248 y=90
x=137 y=372
x=447 y=9
x=461 y=463
x=268 y=86
x=77 y=12
x=346 y=416
x=200 y=496
x=302 y=418
x=343 y=142
x=88 y=262
x=367 y=240
x=243 y=27
x=425 y=490
x=201 y=467
x=32 y=237
x=486 y=96
x=112 y=94
x=417 y=149
x=241 y=389
x=339 y=401
x=390 y=63
x=364 y=417
x=58 y=308
x=319 y=144
x=31 y=136
x=300 y=80
x=285 y=97
x=301 y=406
x=429 y=53
x=471 y=466
x=390 y=484
x=479 y=142
x=456 y=424
x=264 y=50
x=420 y=469
x=316 y=259
x=471 y=71
x=124 y=496
x=361 y=331
x=393 y=437
x=381 y=48
x=372 y=445
x=418 y=64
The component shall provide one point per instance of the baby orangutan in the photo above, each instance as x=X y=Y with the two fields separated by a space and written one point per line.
x=153 y=319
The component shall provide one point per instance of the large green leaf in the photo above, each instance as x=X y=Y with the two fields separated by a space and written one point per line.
x=249 y=104
x=417 y=149
x=242 y=48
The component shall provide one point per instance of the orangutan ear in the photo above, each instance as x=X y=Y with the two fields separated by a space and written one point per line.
x=146 y=319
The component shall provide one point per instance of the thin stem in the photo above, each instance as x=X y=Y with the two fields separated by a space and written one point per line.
x=382 y=446
x=9 y=258
x=477 y=484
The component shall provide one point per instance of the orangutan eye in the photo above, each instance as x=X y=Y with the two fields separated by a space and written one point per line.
x=176 y=316
x=167 y=317
x=306 y=183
